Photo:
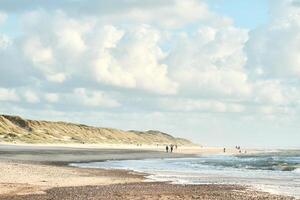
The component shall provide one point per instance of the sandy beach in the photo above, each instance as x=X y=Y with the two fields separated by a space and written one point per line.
x=41 y=172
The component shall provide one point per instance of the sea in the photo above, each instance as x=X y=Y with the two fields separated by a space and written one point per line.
x=276 y=172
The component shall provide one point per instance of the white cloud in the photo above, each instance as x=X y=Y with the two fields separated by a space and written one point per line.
x=171 y=13
x=121 y=57
x=210 y=62
x=3 y=17
x=136 y=61
x=58 y=78
x=8 y=94
x=5 y=41
x=270 y=92
x=106 y=68
x=52 y=97
x=200 y=105
x=175 y=14
x=133 y=56
x=54 y=43
x=275 y=111
x=41 y=55
x=69 y=33
x=95 y=98
x=274 y=48
x=31 y=97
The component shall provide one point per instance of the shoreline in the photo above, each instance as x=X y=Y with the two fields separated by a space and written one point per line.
x=29 y=177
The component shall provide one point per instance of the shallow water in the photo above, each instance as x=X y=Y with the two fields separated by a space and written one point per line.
x=277 y=172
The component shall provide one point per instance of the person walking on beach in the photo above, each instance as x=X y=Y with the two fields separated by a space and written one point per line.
x=171 y=146
x=224 y=150
x=167 y=148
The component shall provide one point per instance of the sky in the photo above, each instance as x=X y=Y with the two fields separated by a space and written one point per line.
x=218 y=72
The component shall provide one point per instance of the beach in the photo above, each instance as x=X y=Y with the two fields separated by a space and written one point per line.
x=42 y=172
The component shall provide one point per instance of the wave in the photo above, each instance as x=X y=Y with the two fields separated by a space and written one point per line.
x=272 y=162
x=297 y=170
x=277 y=172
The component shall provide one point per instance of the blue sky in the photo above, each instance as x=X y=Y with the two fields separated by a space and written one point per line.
x=219 y=72
x=245 y=13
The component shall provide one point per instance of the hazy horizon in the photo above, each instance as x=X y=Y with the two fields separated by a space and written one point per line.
x=217 y=72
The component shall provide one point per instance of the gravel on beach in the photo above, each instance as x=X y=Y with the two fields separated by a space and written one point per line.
x=148 y=190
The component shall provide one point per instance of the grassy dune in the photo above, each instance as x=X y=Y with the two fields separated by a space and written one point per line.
x=18 y=130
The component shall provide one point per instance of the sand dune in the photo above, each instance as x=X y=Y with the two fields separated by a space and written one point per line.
x=18 y=130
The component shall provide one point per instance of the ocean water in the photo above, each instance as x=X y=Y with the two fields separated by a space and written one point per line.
x=275 y=172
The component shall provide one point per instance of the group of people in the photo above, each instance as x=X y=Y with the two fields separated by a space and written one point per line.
x=239 y=149
x=171 y=148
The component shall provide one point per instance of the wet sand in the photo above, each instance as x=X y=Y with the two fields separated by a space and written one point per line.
x=40 y=173
x=61 y=154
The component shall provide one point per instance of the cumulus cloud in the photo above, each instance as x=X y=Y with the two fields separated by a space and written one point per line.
x=122 y=57
x=273 y=49
x=8 y=94
x=208 y=105
x=94 y=98
x=5 y=41
x=54 y=49
x=3 y=17
x=270 y=92
x=136 y=61
x=273 y=60
x=31 y=97
x=52 y=97
x=171 y=13
x=210 y=62
x=39 y=54
x=59 y=77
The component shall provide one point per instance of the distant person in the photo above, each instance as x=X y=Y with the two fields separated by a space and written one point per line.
x=224 y=150
x=167 y=148
x=171 y=148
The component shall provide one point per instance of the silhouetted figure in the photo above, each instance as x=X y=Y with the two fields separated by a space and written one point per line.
x=224 y=150
x=167 y=148
x=171 y=148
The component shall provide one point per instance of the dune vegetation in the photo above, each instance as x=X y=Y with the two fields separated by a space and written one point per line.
x=14 y=129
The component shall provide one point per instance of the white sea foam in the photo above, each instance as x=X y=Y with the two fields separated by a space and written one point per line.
x=262 y=172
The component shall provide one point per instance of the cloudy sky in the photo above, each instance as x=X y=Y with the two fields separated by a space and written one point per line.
x=219 y=72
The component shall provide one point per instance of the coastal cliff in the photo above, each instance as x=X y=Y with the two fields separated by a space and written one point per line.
x=15 y=129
